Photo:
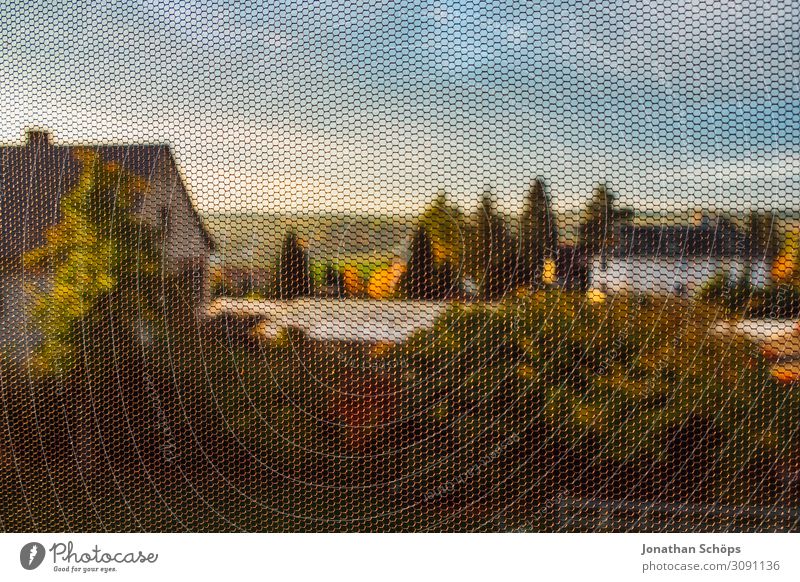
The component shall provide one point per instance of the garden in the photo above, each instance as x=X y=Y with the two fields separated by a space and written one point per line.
x=136 y=414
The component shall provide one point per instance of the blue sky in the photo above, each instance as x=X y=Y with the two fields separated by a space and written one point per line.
x=373 y=106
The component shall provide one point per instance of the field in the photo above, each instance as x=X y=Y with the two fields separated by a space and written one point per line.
x=255 y=240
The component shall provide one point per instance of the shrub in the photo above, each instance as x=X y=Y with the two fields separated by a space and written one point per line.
x=739 y=299
x=619 y=381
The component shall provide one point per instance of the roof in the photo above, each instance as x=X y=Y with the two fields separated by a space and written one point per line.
x=35 y=175
x=342 y=320
x=720 y=239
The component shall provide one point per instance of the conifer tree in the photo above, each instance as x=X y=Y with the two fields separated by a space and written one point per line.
x=294 y=274
x=419 y=275
x=538 y=234
x=597 y=228
x=447 y=282
x=497 y=259
x=333 y=280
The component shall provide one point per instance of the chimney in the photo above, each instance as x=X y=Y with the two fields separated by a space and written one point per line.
x=38 y=138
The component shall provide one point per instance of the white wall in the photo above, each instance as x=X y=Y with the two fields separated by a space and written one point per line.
x=668 y=275
x=185 y=241
x=18 y=334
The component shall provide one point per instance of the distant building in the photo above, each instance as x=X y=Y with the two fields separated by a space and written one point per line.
x=677 y=259
x=33 y=178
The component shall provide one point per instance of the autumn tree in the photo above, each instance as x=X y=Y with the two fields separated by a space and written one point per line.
x=294 y=273
x=105 y=266
x=446 y=226
x=107 y=303
x=538 y=234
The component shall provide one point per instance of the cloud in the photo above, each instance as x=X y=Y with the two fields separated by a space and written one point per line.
x=307 y=104
x=708 y=45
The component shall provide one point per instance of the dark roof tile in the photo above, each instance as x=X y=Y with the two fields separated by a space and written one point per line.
x=34 y=176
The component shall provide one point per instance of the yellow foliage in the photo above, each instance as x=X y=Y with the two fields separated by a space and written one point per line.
x=353 y=283
x=384 y=282
x=786 y=373
x=785 y=264
x=281 y=339
x=381 y=349
x=590 y=416
x=526 y=371
x=595 y=296
x=86 y=255
x=441 y=253
x=549 y=272
x=783 y=268
x=522 y=292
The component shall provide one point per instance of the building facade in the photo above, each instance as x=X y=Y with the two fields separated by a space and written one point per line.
x=33 y=178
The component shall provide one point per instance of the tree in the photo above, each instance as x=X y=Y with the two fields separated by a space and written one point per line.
x=445 y=225
x=294 y=274
x=333 y=280
x=497 y=256
x=105 y=266
x=784 y=267
x=763 y=234
x=103 y=310
x=447 y=282
x=447 y=228
x=597 y=228
x=538 y=234
x=418 y=280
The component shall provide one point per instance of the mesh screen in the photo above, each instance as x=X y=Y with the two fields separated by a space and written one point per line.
x=378 y=266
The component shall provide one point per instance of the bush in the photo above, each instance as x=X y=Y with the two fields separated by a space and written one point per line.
x=629 y=382
x=740 y=299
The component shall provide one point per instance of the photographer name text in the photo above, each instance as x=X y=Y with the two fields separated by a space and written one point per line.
x=698 y=549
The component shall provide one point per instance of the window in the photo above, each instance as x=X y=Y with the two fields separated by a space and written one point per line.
x=164 y=219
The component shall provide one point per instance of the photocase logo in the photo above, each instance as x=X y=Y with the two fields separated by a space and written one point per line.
x=31 y=555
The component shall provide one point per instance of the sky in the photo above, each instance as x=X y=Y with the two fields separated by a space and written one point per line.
x=374 y=106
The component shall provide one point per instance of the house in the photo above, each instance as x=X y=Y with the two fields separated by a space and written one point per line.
x=33 y=178
x=677 y=259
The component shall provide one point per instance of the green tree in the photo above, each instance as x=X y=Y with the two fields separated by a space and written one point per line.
x=538 y=234
x=597 y=227
x=418 y=282
x=445 y=225
x=294 y=273
x=497 y=253
x=105 y=266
